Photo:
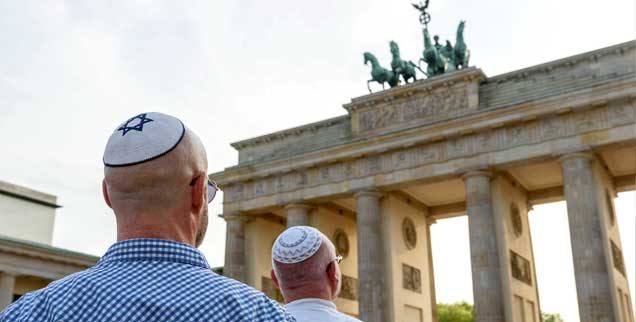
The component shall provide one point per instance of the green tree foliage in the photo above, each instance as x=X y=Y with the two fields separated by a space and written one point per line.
x=550 y=317
x=456 y=312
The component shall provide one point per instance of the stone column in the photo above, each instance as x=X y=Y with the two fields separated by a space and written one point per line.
x=371 y=267
x=235 y=266
x=487 y=290
x=593 y=286
x=431 y=270
x=297 y=214
x=7 y=284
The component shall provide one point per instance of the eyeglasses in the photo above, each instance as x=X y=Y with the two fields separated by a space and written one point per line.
x=212 y=188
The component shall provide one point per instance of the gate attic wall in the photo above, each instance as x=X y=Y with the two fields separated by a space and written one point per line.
x=407 y=134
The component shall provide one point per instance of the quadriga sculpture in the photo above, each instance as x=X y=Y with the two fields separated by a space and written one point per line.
x=401 y=67
x=379 y=74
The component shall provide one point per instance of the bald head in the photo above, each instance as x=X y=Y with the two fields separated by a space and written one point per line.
x=164 y=197
x=318 y=276
x=160 y=182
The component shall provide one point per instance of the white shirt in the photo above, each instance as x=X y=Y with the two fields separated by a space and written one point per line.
x=317 y=310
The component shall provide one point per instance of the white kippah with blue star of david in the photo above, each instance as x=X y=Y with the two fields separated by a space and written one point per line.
x=296 y=244
x=143 y=138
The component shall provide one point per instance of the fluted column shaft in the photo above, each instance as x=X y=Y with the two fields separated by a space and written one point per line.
x=297 y=214
x=487 y=290
x=590 y=269
x=371 y=269
x=7 y=284
x=235 y=263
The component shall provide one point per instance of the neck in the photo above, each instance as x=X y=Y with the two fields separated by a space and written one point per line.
x=306 y=292
x=130 y=227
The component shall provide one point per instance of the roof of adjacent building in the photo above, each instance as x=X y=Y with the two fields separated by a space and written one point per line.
x=28 y=194
x=46 y=252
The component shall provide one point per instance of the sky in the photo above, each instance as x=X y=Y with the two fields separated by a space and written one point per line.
x=70 y=71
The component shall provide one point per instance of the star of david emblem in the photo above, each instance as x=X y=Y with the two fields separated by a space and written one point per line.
x=137 y=126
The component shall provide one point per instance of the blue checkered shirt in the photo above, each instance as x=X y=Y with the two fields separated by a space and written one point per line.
x=146 y=280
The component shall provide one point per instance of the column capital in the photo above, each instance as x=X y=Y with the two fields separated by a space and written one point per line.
x=368 y=192
x=235 y=217
x=577 y=155
x=477 y=173
x=298 y=205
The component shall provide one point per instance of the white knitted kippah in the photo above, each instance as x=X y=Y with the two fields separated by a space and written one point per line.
x=296 y=244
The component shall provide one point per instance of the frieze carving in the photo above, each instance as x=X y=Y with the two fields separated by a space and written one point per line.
x=517 y=135
x=411 y=278
x=529 y=132
x=349 y=289
x=551 y=127
x=520 y=268
x=621 y=114
x=446 y=101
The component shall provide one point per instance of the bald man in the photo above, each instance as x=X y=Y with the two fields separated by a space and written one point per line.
x=155 y=181
x=307 y=272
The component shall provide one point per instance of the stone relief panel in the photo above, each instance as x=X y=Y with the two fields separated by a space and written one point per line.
x=268 y=287
x=341 y=241
x=421 y=107
x=551 y=127
x=259 y=187
x=411 y=278
x=516 y=220
x=377 y=118
x=409 y=234
x=489 y=140
x=586 y=121
x=617 y=258
x=457 y=147
x=517 y=135
x=520 y=268
x=428 y=154
x=621 y=114
x=610 y=207
x=349 y=288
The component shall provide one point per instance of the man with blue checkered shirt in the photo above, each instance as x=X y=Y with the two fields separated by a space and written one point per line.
x=155 y=180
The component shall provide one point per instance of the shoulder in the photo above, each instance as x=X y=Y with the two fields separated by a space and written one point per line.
x=251 y=304
x=34 y=301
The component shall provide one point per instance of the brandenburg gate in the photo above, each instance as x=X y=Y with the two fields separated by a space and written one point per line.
x=375 y=180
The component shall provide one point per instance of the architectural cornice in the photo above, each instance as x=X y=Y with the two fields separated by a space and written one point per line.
x=281 y=135
x=567 y=62
x=27 y=194
x=484 y=120
x=45 y=252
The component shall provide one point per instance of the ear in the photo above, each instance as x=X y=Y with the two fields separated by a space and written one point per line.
x=198 y=192
x=105 y=193
x=332 y=275
x=275 y=279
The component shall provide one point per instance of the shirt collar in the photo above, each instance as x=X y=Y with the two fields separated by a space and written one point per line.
x=158 y=250
x=313 y=302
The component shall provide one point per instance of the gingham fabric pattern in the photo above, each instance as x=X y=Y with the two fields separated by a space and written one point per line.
x=146 y=280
